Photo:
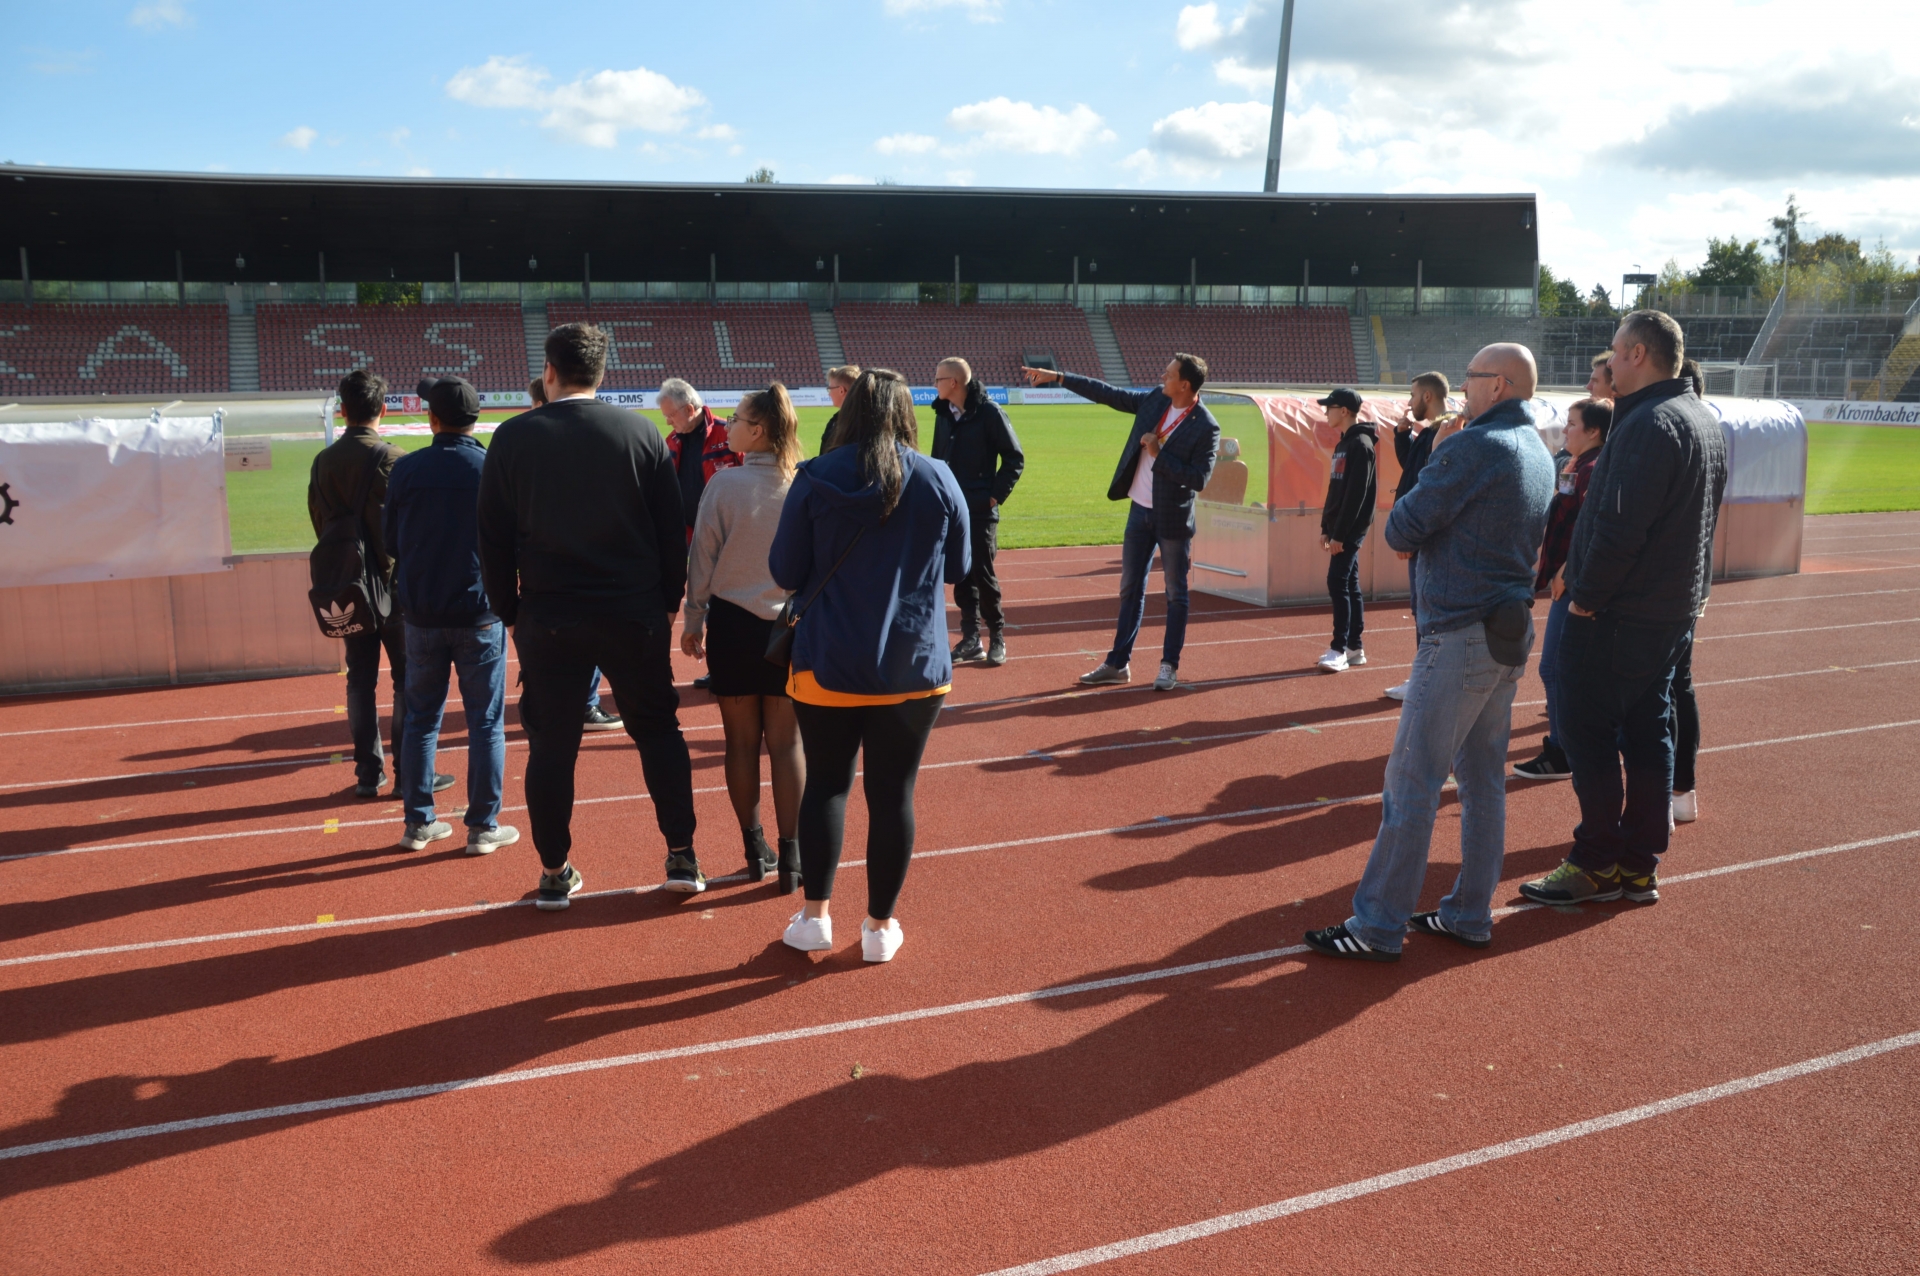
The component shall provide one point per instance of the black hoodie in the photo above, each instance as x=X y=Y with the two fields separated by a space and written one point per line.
x=979 y=447
x=1348 y=512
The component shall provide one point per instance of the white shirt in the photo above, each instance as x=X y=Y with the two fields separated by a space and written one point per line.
x=1141 y=493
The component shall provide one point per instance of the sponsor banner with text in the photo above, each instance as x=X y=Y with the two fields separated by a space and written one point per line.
x=1859 y=412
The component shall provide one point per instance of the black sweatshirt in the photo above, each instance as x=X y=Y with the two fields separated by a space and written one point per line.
x=1348 y=512
x=1412 y=451
x=580 y=517
x=979 y=446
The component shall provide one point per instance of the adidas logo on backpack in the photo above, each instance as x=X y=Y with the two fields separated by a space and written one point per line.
x=348 y=596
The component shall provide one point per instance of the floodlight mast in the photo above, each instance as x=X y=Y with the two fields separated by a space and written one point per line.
x=1279 y=99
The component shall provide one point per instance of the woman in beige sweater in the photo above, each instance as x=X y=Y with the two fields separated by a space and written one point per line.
x=730 y=609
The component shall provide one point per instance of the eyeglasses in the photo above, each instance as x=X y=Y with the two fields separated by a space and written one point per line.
x=1471 y=375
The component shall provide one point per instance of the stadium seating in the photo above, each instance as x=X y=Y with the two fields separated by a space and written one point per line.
x=910 y=339
x=310 y=347
x=737 y=346
x=1247 y=344
x=112 y=349
x=1822 y=355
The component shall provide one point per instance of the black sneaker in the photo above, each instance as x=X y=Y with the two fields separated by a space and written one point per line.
x=363 y=789
x=599 y=719
x=1430 y=924
x=1338 y=941
x=442 y=782
x=558 y=889
x=1641 y=888
x=969 y=648
x=1571 y=884
x=701 y=683
x=683 y=873
x=997 y=649
x=1550 y=765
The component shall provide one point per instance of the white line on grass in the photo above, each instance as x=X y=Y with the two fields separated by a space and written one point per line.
x=518 y=1075
x=1463 y=1161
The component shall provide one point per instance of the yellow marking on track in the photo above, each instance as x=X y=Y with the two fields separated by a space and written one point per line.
x=330 y=826
x=339 y=708
x=334 y=758
x=324 y=917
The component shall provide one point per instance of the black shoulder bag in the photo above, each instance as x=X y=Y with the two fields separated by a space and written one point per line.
x=348 y=596
x=780 y=641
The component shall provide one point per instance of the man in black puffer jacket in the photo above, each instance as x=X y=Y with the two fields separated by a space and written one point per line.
x=1345 y=516
x=972 y=435
x=1638 y=572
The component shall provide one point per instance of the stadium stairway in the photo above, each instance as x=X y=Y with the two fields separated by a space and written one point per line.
x=1366 y=361
x=533 y=318
x=243 y=353
x=826 y=336
x=1900 y=374
x=1113 y=366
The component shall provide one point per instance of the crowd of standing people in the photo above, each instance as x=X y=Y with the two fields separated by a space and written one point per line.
x=815 y=593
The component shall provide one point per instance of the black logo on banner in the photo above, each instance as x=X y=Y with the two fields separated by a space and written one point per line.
x=7 y=504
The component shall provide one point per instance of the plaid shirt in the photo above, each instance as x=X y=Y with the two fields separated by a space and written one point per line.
x=1561 y=515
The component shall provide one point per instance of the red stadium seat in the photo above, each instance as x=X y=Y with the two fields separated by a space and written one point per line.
x=911 y=339
x=112 y=349
x=310 y=347
x=736 y=346
x=1247 y=344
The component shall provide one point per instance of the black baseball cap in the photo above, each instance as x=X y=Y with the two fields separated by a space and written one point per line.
x=454 y=401
x=1341 y=398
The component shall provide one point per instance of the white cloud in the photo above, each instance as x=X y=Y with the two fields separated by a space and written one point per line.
x=1199 y=26
x=960 y=176
x=977 y=10
x=159 y=14
x=299 y=139
x=1226 y=132
x=1248 y=79
x=1000 y=124
x=906 y=144
x=592 y=110
x=849 y=179
x=418 y=171
x=719 y=133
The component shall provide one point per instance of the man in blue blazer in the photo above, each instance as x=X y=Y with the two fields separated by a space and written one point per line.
x=1167 y=460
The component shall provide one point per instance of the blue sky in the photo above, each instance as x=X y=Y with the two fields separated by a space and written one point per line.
x=1643 y=127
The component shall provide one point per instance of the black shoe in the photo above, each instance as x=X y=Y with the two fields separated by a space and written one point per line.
x=1640 y=888
x=760 y=857
x=1550 y=765
x=683 y=873
x=969 y=648
x=700 y=683
x=362 y=789
x=556 y=890
x=1338 y=941
x=1430 y=924
x=789 y=865
x=997 y=649
x=599 y=719
x=442 y=782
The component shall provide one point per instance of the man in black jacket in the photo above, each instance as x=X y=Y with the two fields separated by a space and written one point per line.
x=972 y=435
x=1638 y=571
x=1167 y=460
x=583 y=551
x=1352 y=488
x=1412 y=445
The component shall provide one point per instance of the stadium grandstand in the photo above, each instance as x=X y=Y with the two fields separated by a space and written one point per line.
x=995 y=339
x=1311 y=345
x=112 y=349
x=310 y=347
x=738 y=346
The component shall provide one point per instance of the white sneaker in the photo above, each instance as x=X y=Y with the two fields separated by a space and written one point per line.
x=1686 y=807
x=1169 y=678
x=1398 y=692
x=1356 y=657
x=882 y=944
x=418 y=835
x=809 y=934
x=487 y=841
x=1335 y=661
x=1105 y=675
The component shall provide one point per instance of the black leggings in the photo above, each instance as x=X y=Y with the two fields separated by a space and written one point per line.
x=893 y=737
x=1686 y=720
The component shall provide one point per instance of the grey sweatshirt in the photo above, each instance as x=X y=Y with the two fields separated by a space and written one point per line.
x=739 y=513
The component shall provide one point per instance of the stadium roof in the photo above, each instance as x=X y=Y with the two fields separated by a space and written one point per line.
x=92 y=225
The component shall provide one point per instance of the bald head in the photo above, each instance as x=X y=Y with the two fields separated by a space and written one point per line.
x=1504 y=370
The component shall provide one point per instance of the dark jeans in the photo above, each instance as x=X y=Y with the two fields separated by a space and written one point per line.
x=1343 y=586
x=1413 y=591
x=1137 y=547
x=1686 y=719
x=1613 y=708
x=479 y=655
x=892 y=736
x=979 y=594
x=554 y=664
x=363 y=682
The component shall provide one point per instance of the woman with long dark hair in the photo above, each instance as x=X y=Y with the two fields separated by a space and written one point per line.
x=731 y=606
x=871 y=533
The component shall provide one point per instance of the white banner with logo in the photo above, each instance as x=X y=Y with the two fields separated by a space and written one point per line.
x=111 y=500
x=1851 y=412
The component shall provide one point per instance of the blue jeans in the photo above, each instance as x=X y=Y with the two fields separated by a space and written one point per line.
x=1413 y=591
x=1136 y=560
x=1343 y=586
x=1550 y=666
x=1457 y=716
x=480 y=656
x=1615 y=679
x=593 y=692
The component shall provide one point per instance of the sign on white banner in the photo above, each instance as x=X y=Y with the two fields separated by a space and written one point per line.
x=249 y=452
x=1848 y=412
x=111 y=500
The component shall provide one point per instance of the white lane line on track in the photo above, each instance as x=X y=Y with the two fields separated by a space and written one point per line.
x=1810 y=629
x=1857 y=536
x=816 y=1030
x=1462 y=1161
x=1809 y=598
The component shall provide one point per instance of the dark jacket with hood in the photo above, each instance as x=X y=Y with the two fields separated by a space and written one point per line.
x=1353 y=487
x=979 y=446
x=1412 y=451
x=1643 y=545
x=337 y=471
x=879 y=627
x=1185 y=463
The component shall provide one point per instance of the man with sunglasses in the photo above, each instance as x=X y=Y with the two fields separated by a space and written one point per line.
x=1475 y=518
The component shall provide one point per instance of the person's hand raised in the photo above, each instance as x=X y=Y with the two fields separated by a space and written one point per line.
x=1040 y=376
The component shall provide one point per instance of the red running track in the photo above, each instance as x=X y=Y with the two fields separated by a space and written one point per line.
x=1100 y=1045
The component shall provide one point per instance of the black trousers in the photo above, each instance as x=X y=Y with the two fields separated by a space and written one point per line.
x=979 y=594
x=1343 y=587
x=555 y=662
x=363 y=686
x=1686 y=719
x=893 y=737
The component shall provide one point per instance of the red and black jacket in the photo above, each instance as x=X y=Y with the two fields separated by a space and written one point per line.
x=715 y=455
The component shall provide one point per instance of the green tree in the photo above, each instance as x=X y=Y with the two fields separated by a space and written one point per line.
x=1831 y=247
x=761 y=176
x=1599 y=304
x=388 y=294
x=1730 y=263
x=1559 y=296
x=1786 y=230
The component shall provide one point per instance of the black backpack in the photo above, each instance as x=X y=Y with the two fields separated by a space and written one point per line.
x=348 y=596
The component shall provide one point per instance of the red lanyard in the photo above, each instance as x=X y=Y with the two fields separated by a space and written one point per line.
x=1170 y=423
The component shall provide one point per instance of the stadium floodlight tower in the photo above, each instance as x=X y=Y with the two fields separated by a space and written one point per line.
x=1279 y=99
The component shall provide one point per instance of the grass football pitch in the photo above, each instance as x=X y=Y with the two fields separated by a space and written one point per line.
x=1071 y=451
